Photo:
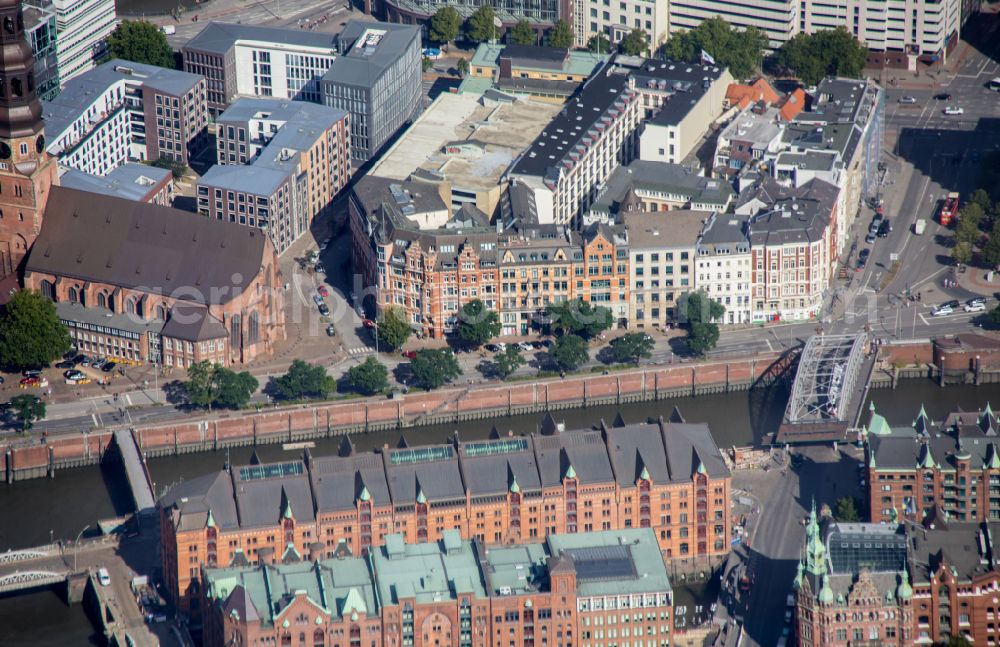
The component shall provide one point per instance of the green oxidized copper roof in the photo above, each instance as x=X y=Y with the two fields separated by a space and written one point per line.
x=645 y=474
x=993 y=457
x=825 y=592
x=926 y=460
x=797 y=583
x=365 y=495
x=904 y=591
x=210 y=522
x=514 y=487
x=420 y=496
x=570 y=472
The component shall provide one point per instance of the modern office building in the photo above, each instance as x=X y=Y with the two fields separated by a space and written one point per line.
x=280 y=164
x=132 y=181
x=376 y=77
x=82 y=27
x=147 y=283
x=40 y=30
x=251 y=61
x=541 y=14
x=665 y=476
x=451 y=592
x=123 y=111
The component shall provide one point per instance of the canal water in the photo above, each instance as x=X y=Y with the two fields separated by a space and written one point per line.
x=33 y=511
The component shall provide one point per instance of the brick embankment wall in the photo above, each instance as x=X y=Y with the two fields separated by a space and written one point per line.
x=23 y=458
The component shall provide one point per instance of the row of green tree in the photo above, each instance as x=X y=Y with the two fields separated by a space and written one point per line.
x=977 y=232
x=447 y=26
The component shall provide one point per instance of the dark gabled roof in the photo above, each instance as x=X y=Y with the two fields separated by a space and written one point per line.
x=490 y=466
x=196 y=497
x=582 y=449
x=192 y=322
x=240 y=602
x=431 y=468
x=634 y=447
x=338 y=481
x=104 y=239
x=262 y=500
x=687 y=444
x=535 y=55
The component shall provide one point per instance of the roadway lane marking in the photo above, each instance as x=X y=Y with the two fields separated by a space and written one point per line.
x=128 y=400
x=94 y=418
x=923 y=319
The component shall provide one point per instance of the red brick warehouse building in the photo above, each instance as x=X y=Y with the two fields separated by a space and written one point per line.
x=666 y=476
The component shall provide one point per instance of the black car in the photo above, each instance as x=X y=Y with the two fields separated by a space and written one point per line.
x=953 y=304
x=863 y=258
x=324 y=309
x=110 y=366
x=943 y=96
x=31 y=372
x=884 y=229
x=65 y=364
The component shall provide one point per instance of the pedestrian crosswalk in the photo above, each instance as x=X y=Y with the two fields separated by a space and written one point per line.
x=360 y=350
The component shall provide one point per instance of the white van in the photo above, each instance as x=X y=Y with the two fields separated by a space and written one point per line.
x=102 y=577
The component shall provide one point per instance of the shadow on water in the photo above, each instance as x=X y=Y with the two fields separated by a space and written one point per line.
x=42 y=619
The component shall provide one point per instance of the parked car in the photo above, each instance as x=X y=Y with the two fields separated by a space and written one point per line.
x=323 y=291
x=863 y=258
x=74 y=375
x=40 y=382
x=525 y=346
x=31 y=372
x=954 y=110
x=952 y=304
x=65 y=364
x=324 y=309
x=110 y=366
x=410 y=354
x=907 y=99
x=870 y=238
x=103 y=578
x=317 y=299
x=493 y=348
x=432 y=53
x=976 y=301
x=331 y=331
x=975 y=307
x=885 y=228
x=942 y=310
x=99 y=362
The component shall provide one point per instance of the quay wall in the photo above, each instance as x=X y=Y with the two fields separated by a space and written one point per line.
x=22 y=458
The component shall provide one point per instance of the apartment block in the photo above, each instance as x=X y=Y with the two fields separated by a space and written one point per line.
x=616 y=20
x=657 y=186
x=680 y=102
x=792 y=244
x=131 y=181
x=376 y=78
x=724 y=264
x=251 y=61
x=280 y=164
x=451 y=592
x=123 y=111
x=668 y=477
x=556 y=179
x=40 y=31
x=662 y=263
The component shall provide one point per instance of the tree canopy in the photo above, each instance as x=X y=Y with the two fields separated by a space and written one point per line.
x=480 y=26
x=142 y=42
x=698 y=307
x=579 y=317
x=369 y=377
x=477 y=324
x=739 y=50
x=561 y=35
x=28 y=408
x=393 y=329
x=702 y=337
x=632 y=347
x=523 y=34
x=636 y=43
x=599 y=44
x=462 y=66
x=433 y=367
x=445 y=24
x=508 y=361
x=570 y=352
x=846 y=510
x=213 y=385
x=829 y=52
x=304 y=380
x=31 y=334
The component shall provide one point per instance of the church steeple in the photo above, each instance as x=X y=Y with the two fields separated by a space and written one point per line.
x=20 y=109
x=27 y=172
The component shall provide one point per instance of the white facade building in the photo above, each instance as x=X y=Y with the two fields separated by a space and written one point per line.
x=618 y=19
x=82 y=27
x=723 y=269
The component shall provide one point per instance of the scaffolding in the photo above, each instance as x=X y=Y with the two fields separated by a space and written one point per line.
x=826 y=378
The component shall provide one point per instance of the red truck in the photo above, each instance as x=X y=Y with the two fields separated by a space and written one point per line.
x=949 y=209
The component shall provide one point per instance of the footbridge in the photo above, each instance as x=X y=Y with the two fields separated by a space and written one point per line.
x=830 y=386
x=136 y=471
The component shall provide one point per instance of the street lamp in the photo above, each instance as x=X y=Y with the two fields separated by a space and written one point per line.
x=76 y=545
